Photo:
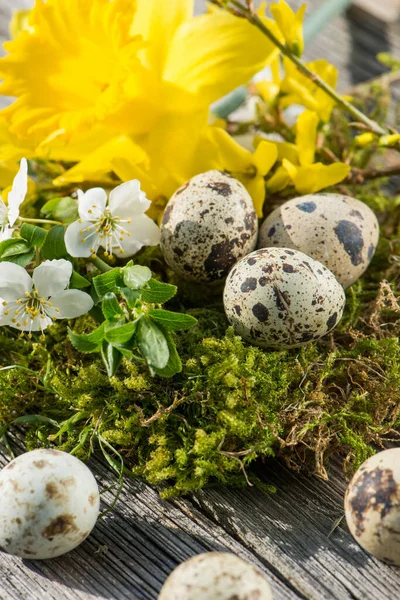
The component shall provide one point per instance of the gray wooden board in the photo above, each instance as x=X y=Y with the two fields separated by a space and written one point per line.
x=134 y=548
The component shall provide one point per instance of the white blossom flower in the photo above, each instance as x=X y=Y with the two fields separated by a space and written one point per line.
x=33 y=303
x=9 y=213
x=117 y=224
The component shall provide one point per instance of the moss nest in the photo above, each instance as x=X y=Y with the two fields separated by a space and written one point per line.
x=233 y=403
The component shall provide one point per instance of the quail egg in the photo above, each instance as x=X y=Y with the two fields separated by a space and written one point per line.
x=339 y=231
x=372 y=506
x=281 y=298
x=49 y=504
x=215 y=575
x=207 y=226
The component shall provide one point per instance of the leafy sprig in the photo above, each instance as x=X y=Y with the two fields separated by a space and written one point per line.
x=135 y=326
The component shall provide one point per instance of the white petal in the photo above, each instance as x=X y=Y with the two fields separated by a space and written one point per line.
x=144 y=232
x=73 y=239
x=52 y=277
x=36 y=324
x=18 y=192
x=14 y=281
x=71 y=304
x=127 y=200
x=92 y=204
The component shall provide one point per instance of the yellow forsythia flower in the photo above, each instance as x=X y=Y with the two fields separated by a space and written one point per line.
x=364 y=139
x=269 y=88
x=95 y=79
x=299 y=89
x=306 y=176
x=389 y=140
x=290 y=25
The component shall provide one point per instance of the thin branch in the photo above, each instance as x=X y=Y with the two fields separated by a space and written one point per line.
x=244 y=11
x=358 y=176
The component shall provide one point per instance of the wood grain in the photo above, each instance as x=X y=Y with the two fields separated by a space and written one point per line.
x=133 y=549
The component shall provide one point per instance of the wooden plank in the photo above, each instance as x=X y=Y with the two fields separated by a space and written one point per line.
x=130 y=553
x=383 y=10
x=290 y=530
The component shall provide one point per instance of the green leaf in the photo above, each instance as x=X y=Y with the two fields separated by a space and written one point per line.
x=48 y=208
x=54 y=246
x=87 y=343
x=28 y=419
x=35 y=236
x=171 y=320
x=111 y=308
x=136 y=277
x=66 y=210
x=13 y=247
x=120 y=335
x=131 y=296
x=157 y=292
x=174 y=364
x=152 y=344
x=78 y=282
x=111 y=357
x=107 y=282
x=22 y=259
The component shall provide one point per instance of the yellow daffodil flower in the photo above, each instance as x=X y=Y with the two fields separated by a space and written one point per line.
x=299 y=89
x=300 y=170
x=290 y=25
x=96 y=79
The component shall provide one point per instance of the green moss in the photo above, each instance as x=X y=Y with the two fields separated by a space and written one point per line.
x=232 y=404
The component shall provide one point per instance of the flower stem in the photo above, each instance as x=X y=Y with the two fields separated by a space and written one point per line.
x=101 y=265
x=245 y=11
x=45 y=221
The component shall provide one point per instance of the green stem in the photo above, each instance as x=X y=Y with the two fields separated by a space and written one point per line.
x=45 y=221
x=245 y=12
x=101 y=265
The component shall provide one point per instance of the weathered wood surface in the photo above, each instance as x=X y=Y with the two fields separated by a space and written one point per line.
x=288 y=534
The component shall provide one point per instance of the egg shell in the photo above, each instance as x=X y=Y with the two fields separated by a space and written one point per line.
x=281 y=298
x=372 y=506
x=215 y=576
x=49 y=504
x=207 y=226
x=338 y=231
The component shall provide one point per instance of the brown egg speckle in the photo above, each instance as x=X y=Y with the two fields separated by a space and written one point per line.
x=281 y=298
x=372 y=506
x=339 y=231
x=207 y=226
x=216 y=575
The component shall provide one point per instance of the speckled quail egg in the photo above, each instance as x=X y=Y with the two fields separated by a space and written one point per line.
x=49 y=504
x=281 y=298
x=207 y=226
x=339 y=231
x=372 y=506
x=215 y=576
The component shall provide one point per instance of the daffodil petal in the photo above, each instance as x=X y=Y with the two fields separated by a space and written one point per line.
x=52 y=277
x=157 y=21
x=209 y=46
